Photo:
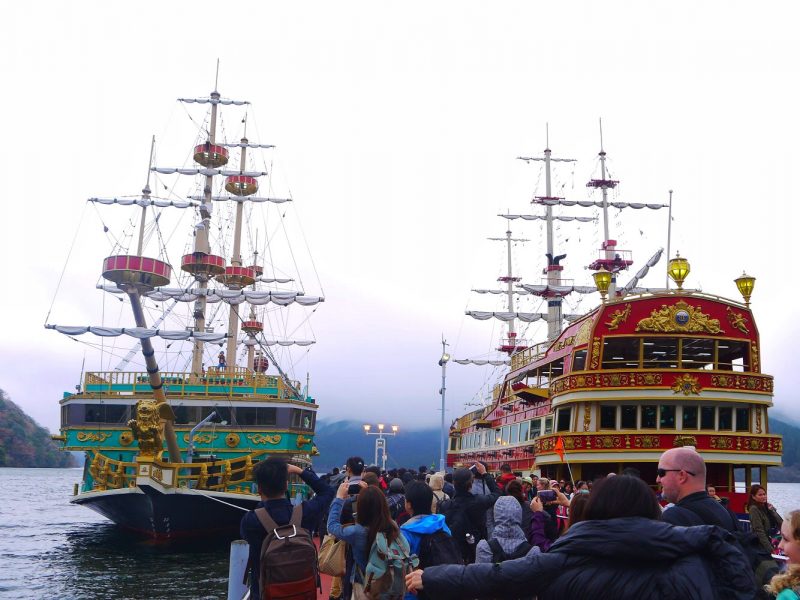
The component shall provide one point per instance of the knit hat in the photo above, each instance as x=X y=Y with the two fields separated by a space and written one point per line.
x=396 y=486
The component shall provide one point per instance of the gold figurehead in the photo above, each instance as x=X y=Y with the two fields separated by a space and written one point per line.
x=146 y=428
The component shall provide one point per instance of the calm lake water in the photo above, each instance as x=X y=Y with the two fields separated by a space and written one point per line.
x=50 y=548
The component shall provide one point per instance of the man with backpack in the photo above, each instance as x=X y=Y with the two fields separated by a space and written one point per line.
x=427 y=534
x=291 y=561
x=466 y=513
x=682 y=476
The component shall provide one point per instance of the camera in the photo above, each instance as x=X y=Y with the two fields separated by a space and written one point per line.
x=547 y=495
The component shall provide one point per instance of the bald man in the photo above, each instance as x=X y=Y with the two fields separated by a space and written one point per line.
x=682 y=476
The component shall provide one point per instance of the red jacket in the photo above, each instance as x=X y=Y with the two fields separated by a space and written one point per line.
x=504 y=479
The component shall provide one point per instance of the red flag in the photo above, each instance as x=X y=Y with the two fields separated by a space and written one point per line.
x=559 y=447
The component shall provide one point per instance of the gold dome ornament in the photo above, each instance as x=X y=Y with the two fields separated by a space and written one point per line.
x=745 y=284
x=126 y=438
x=232 y=440
x=678 y=269
x=602 y=280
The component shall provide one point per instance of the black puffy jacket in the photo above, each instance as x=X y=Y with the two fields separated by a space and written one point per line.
x=622 y=559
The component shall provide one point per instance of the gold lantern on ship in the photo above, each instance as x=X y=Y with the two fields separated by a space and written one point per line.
x=745 y=284
x=678 y=269
x=602 y=280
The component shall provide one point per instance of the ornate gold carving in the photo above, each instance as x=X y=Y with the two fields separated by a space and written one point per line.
x=126 y=438
x=93 y=436
x=587 y=416
x=754 y=358
x=758 y=419
x=721 y=443
x=232 y=440
x=607 y=441
x=679 y=317
x=618 y=317
x=302 y=440
x=201 y=438
x=686 y=384
x=567 y=341
x=260 y=438
x=582 y=336
x=685 y=440
x=146 y=428
x=646 y=441
x=737 y=320
x=649 y=379
x=596 y=352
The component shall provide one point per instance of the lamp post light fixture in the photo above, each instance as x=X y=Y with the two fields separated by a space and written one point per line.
x=602 y=280
x=443 y=363
x=380 y=442
x=678 y=269
x=745 y=284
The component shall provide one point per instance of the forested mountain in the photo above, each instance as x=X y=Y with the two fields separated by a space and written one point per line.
x=23 y=443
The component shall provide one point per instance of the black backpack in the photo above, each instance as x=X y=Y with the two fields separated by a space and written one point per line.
x=465 y=533
x=438 y=548
x=500 y=555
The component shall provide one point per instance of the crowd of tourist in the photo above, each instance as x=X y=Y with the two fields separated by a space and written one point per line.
x=481 y=535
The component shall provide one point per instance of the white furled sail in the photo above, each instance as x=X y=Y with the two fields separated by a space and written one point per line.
x=597 y=203
x=207 y=172
x=243 y=199
x=247 y=145
x=160 y=294
x=139 y=333
x=631 y=285
x=557 y=290
x=545 y=218
x=471 y=361
x=508 y=316
x=519 y=292
x=143 y=202
x=213 y=100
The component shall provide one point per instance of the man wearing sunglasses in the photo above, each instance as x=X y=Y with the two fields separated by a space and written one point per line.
x=682 y=476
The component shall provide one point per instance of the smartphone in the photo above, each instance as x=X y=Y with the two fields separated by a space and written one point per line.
x=546 y=495
x=474 y=469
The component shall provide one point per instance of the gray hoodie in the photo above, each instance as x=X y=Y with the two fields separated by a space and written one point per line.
x=507 y=520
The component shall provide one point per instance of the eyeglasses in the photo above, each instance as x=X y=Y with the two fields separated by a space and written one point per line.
x=663 y=472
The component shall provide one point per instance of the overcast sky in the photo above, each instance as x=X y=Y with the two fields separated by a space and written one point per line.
x=397 y=126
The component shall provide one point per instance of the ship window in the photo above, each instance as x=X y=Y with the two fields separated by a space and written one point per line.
x=733 y=355
x=697 y=353
x=725 y=418
x=302 y=419
x=524 y=430
x=649 y=418
x=548 y=425
x=223 y=414
x=505 y=435
x=690 y=417
x=185 y=414
x=453 y=444
x=514 y=433
x=628 y=417
x=252 y=415
x=742 y=419
x=660 y=353
x=667 y=420
x=608 y=417
x=579 y=360
x=707 y=420
x=498 y=437
x=103 y=413
x=621 y=353
x=564 y=419
x=536 y=428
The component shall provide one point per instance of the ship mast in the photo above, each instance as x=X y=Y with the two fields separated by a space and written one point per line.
x=511 y=346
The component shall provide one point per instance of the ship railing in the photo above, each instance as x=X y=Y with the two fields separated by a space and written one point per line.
x=528 y=355
x=230 y=381
x=231 y=475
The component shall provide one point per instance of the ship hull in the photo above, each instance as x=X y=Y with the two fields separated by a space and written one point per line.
x=170 y=514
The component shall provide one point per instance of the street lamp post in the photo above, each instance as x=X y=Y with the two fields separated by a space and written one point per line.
x=443 y=363
x=380 y=442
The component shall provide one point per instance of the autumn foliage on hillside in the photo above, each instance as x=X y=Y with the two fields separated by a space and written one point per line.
x=23 y=443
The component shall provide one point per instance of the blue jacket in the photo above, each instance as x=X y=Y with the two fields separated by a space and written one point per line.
x=355 y=535
x=281 y=512
x=417 y=526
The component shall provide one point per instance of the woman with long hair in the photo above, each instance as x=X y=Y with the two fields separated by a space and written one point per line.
x=765 y=521
x=786 y=585
x=372 y=517
x=622 y=551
